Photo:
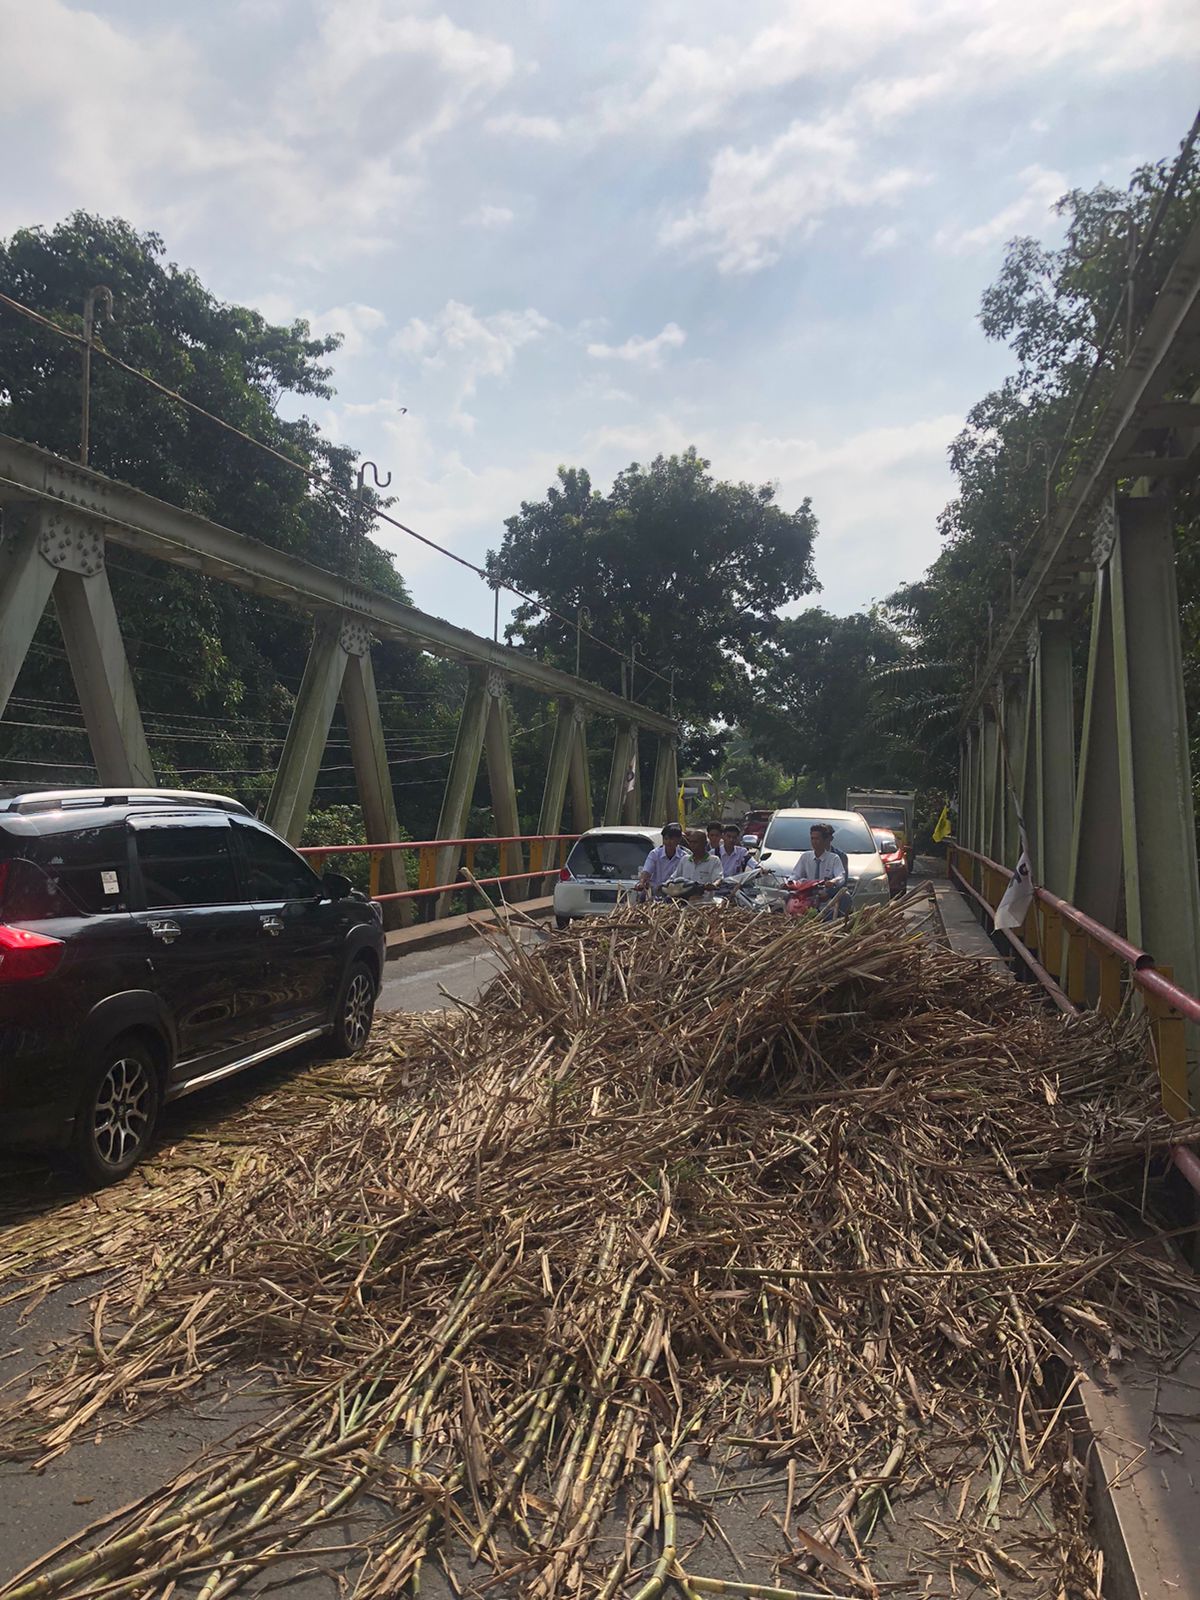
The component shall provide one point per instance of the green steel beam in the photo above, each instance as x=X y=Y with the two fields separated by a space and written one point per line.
x=1054 y=754
x=464 y=770
x=308 y=731
x=103 y=681
x=1094 y=884
x=368 y=752
x=558 y=770
x=1028 y=781
x=502 y=785
x=26 y=582
x=1163 y=898
x=182 y=538
x=581 y=777
x=662 y=798
x=48 y=551
x=624 y=747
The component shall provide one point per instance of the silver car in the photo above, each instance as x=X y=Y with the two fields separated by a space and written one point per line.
x=602 y=871
x=788 y=834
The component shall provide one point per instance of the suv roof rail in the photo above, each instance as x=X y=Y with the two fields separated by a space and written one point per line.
x=71 y=799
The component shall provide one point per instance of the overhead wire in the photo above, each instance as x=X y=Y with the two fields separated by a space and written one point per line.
x=314 y=476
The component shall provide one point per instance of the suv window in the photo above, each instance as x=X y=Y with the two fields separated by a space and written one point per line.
x=273 y=869
x=185 y=864
x=70 y=871
x=91 y=865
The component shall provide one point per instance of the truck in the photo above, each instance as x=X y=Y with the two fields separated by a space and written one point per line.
x=891 y=809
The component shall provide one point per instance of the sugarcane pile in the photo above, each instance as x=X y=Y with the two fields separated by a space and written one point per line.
x=685 y=1195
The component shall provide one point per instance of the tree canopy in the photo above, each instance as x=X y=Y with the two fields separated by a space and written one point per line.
x=684 y=569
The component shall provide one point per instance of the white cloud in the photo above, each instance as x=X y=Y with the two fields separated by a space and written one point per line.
x=356 y=323
x=758 y=199
x=882 y=240
x=469 y=347
x=489 y=216
x=547 y=129
x=975 y=42
x=323 y=152
x=639 y=351
x=1032 y=210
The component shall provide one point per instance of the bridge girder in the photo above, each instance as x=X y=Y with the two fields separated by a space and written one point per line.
x=58 y=520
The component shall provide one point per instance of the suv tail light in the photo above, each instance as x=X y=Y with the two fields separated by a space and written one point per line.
x=564 y=875
x=25 y=955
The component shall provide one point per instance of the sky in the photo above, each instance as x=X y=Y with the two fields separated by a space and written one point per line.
x=563 y=234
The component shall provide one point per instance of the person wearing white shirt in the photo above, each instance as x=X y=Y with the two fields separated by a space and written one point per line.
x=701 y=869
x=733 y=855
x=822 y=863
x=664 y=861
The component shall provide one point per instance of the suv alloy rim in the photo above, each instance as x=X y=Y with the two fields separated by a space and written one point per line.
x=123 y=1106
x=358 y=1010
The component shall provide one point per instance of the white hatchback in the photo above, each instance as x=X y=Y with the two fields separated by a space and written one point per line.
x=788 y=834
x=602 y=871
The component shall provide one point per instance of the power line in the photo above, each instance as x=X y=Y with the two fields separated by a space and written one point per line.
x=311 y=473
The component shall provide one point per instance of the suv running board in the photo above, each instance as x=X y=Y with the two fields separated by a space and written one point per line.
x=230 y=1067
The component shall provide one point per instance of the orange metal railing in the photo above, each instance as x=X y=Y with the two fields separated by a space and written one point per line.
x=547 y=854
x=1088 y=964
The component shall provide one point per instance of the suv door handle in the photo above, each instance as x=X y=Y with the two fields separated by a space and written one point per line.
x=166 y=930
x=272 y=925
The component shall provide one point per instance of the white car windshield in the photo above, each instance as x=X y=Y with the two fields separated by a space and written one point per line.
x=793 y=833
x=609 y=855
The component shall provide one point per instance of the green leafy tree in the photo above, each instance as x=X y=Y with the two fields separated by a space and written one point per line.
x=675 y=567
x=216 y=670
x=1068 y=313
x=814 y=714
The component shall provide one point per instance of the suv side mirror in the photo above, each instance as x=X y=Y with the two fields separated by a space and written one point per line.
x=336 y=886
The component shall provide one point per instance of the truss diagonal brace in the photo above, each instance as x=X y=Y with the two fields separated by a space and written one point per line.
x=50 y=553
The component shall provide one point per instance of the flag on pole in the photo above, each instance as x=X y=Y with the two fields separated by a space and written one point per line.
x=682 y=809
x=631 y=775
x=1018 y=897
x=943 y=830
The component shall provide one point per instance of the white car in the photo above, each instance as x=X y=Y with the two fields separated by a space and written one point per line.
x=788 y=834
x=601 y=870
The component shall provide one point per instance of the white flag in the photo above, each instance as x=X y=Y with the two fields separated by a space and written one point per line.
x=630 y=778
x=1018 y=897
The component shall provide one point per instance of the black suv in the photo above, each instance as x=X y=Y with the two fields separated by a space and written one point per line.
x=152 y=942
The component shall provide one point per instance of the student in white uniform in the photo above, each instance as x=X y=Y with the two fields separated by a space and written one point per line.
x=733 y=855
x=822 y=862
x=664 y=862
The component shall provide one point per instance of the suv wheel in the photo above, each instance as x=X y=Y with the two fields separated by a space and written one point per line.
x=562 y=923
x=118 y=1113
x=355 y=1010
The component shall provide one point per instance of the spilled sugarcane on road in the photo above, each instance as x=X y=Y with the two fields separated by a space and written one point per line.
x=696 y=1254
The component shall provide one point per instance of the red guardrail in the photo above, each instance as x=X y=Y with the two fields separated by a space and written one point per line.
x=1065 y=938
x=537 y=842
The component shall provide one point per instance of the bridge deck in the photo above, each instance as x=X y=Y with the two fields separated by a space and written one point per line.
x=1138 y=1430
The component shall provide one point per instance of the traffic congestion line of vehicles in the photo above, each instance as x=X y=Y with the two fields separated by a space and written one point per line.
x=153 y=942
x=605 y=866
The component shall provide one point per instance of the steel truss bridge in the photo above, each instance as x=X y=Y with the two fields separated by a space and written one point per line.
x=61 y=518
x=1107 y=800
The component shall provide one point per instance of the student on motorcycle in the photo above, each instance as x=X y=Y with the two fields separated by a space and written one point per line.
x=733 y=854
x=713 y=829
x=823 y=863
x=663 y=862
